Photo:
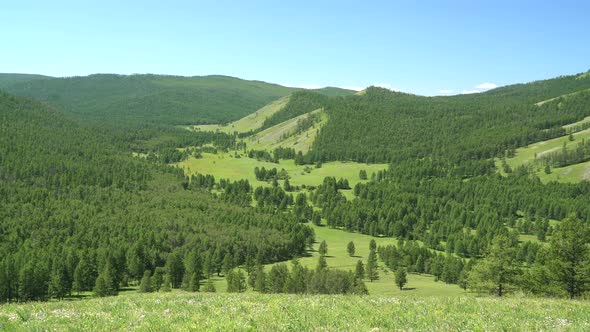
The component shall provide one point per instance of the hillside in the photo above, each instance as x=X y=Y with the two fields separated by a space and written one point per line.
x=7 y=80
x=172 y=100
x=209 y=208
x=382 y=125
x=98 y=216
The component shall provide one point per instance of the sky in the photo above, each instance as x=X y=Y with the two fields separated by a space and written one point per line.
x=422 y=47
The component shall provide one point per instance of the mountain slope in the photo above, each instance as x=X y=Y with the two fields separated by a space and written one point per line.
x=72 y=200
x=171 y=100
x=6 y=80
x=382 y=125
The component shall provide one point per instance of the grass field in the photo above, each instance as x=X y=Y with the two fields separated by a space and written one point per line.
x=272 y=138
x=249 y=122
x=338 y=258
x=280 y=135
x=528 y=154
x=179 y=311
x=225 y=165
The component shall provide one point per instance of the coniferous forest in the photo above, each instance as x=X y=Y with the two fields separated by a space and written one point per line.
x=94 y=204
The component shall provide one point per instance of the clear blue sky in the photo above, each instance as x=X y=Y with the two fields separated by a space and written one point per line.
x=421 y=48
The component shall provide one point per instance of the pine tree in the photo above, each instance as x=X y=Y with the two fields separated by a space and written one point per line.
x=322 y=263
x=158 y=278
x=570 y=256
x=362 y=174
x=145 y=285
x=209 y=287
x=194 y=283
x=227 y=263
x=372 y=245
x=323 y=249
x=84 y=276
x=350 y=249
x=166 y=284
x=371 y=267
x=360 y=270
x=401 y=278
x=236 y=281
x=497 y=271
x=101 y=287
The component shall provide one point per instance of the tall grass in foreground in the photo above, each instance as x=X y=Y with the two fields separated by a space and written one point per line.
x=243 y=312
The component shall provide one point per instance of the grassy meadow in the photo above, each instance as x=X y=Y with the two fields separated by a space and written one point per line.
x=227 y=166
x=571 y=173
x=180 y=311
x=249 y=122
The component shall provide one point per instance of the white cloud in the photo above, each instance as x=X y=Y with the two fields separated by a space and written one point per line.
x=466 y=92
x=446 y=91
x=486 y=86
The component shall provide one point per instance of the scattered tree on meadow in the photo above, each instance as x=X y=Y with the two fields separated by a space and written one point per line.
x=401 y=278
x=350 y=248
x=359 y=271
x=363 y=174
x=323 y=249
x=371 y=267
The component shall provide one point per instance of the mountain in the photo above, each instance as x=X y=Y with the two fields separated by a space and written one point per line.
x=161 y=99
x=171 y=100
x=76 y=207
x=382 y=125
x=7 y=80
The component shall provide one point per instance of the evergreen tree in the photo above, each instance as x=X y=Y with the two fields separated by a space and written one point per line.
x=323 y=249
x=194 y=283
x=145 y=285
x=371 y=267
x=158 y=278
x=277 y=278
x=166 y=284
x=209 y=287
x=227 y=263
x=570 y=256
x=372 y=245
x=363 y=174
x=322 y=264
x=401 y=278
x=236 y=281
x=84 y=276
x=58 y=283
x=359 y=270
x=496 y=273
x=350 y=249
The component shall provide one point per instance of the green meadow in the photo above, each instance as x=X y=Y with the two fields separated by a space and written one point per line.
x=228 y=166
x=571 y=173
x=284 y=135
x=338 y=258
x=180 y=311
x=249 y=122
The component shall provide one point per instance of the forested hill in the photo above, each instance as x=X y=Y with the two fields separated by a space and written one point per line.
x=170 y=100
x=80 y=213
x=7 y=80
x=385 y=126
